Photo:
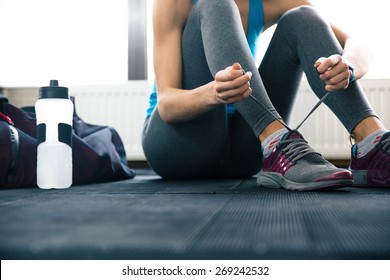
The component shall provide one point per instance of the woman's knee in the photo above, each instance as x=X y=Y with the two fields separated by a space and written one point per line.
x=216 y=6
x=300 y=16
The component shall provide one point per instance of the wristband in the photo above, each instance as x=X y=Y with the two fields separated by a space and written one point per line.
x=351 y=69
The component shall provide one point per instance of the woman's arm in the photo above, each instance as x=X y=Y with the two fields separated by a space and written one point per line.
x=335 y=70
x=354 y=51
x=169 y=18
x=174 y=103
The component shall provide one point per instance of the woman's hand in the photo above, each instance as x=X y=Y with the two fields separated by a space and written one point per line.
x=334 y=72
x=232 y=84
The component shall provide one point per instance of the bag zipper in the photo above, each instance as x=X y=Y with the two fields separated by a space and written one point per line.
x=6 y=119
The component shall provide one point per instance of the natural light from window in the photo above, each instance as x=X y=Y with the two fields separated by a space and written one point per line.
x=74 y=41
x=85 y=41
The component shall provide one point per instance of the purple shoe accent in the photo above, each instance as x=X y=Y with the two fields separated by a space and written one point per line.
x=280 y=164
x=344 y=174
x=277 y=161
x=373 y=169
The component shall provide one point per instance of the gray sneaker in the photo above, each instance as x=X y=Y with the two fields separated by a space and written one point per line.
x=294 y=165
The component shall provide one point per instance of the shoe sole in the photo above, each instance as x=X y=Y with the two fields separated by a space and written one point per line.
x=276 y=180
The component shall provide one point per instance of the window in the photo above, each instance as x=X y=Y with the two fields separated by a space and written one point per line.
x=86 y=41
x=74 y=41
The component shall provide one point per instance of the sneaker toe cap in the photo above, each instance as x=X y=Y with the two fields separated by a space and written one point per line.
x=339 y=175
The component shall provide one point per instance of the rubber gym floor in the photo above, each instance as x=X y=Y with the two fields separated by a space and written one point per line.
x=150 y=218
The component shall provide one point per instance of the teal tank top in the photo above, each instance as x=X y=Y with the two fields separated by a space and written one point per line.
x=255 y=27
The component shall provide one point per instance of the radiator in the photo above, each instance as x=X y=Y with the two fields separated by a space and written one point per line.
x=120 y=106
x=124 y=106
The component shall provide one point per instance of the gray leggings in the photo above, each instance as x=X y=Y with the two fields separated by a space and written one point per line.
x=217 y=145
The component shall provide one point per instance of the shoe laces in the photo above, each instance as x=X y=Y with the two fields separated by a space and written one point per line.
x=296 y=148
x=308 y=115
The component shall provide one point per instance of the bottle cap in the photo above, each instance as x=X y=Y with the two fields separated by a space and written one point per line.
x=53 y=91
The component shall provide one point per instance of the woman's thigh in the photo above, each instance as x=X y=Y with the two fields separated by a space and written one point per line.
x=186 y=150
x=198 y=150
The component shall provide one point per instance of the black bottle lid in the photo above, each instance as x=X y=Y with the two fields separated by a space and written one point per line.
x=53 y=91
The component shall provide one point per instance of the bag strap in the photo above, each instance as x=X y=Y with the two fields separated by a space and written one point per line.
x=14 y=136
x=3 y=103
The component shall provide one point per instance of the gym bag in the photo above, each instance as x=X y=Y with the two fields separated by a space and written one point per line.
x=98 y=151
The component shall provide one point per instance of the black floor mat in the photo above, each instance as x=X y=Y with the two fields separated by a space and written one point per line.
x=148 y=218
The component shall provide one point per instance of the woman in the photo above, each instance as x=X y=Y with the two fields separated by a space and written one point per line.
x=218 y=116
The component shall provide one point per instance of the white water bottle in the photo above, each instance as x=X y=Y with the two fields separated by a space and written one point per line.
x=54 y=113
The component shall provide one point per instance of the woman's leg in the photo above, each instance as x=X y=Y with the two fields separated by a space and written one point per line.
x=301 y=37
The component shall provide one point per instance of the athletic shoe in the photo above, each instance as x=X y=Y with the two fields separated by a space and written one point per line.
x=294 y=165
x=373 y=169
